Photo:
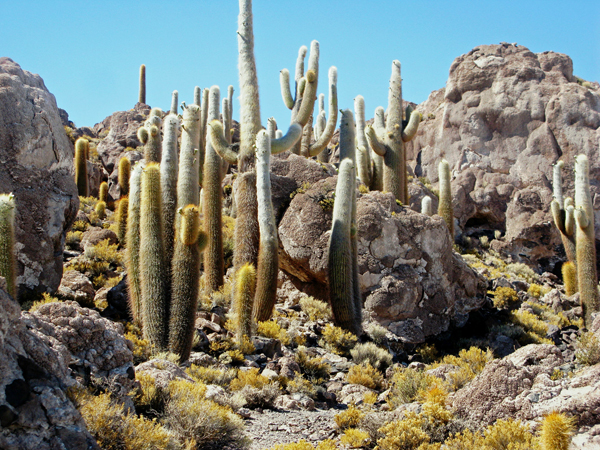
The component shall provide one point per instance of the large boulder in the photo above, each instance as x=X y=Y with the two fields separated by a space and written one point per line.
x=37 y=167
x=505 y=117
x=35 y=412
x=410 y=278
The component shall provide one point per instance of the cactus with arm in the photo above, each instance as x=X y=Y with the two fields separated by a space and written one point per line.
x=562 y=214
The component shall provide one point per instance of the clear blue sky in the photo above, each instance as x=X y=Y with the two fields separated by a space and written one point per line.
x=89 y=52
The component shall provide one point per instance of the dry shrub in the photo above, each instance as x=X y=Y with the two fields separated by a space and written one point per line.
x=469 y=362
x=365 y=375
x=211 y=375
x=504 y=297
x=273 y=330
x=587 y=349
x=355 y=438
x=315 y=309
x=349 y=418
x=337 y=341
x=403 y=434
x=302 y=386
x=372 y=354
x=104 y=251
x=254 y=390
x=376 y=332
x=406 y=384
x=315 y=369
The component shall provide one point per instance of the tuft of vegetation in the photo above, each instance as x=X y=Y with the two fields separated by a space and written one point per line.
x=302 y=386
x=372 y=354
x=406 y=385
x=337 y=341
x=349 y=418
x=587 y=349
x=376 y=332
x=365 y=375
x=273 y=330
x=315 y=309
x=504 y=297
x=212 y=375
x=469 y=364
x=104 y=251
x=315 y=369
x=355 y=438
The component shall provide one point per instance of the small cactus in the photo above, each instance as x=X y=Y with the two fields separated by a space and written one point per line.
x=103 y=192
x=142 y=96
x=101 y=209
x=556 y=431
x=124 y=174
x=81 y=176
x=569 y=274
x=122 y=212
x=426 y=206
x=445 y=205
x=244 y=298
x=7 y=243
x=185 y=279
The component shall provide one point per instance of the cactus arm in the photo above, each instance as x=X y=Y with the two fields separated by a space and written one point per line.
x=329 y=130
x=188 y=182
x=287 y=141
x=245 y=287
x=413 y=125
x=211 y=206
x=197 y=96
x=152 y=148
x=310 y=91
x=142 y=134
x=300 y=64
x=569 y=220
x=557 y=191
x=558 y=214
x=286 y=93
x=8 y=262
x=581 y=218
x=174 y=101
x=142 y=94
x=377 y=147
x=320 y=124
x=219 y=142
x=230 y=98
x=426 y=207
x=271 y=127
x=268 y=265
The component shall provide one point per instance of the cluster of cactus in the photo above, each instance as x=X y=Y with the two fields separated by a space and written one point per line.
x=575 y=221
x=344 y=289
x=386 y=140
x=7 y=243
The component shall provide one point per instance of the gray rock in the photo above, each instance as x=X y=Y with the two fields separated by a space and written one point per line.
x=37 y=167
x=95 y=235
x=77 y=287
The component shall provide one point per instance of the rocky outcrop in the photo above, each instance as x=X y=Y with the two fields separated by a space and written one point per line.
x=35 y=412
x=505 y=117
x=37 y=167
x=411 y=280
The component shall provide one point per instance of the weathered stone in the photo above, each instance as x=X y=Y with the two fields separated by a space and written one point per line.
x=37 y=167
x=95 y=235
x=77 y=287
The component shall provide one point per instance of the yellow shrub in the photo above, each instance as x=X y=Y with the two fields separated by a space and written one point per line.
x=504 y=297
x=587 y=349
x=505 y=434
x=211 y=375
x=403 y=434
x=104 y=251
x=246 y=347
x=370 y=398
x=327 y=444
x=337 y=340
x=355 y=438
x=523 y=271
x=46 y=298
x=148 y=396
x=141 y=347
x=365 y=375
x=535 y=329
x=300 y=445
x=349 y=418
x=465 y=440
x=428 y=353
x=248 y=378
x=87 y=204
x=301 y=385
x=406 y=384
x=271 y=329
x=315 y=369
x=556 y=431
x=315 y=309
x=469 y=362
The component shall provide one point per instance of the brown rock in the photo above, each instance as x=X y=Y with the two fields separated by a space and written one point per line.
x=77 y=287
x=95 y=235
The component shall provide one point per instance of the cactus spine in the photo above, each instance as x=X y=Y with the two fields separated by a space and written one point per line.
x=7 y=243
x=243 y=300
x=586 y=241
x=81 y=176
x=445 y=206
x=124 y=175
x=133 y=245
x=142 y=96
x=212 y=205
x=188 y=189
x=344 y=289
x=185 y=279
x=268 y=262
x=168 y=182
x=153 y=274
x=103 y=192
x=397 y=132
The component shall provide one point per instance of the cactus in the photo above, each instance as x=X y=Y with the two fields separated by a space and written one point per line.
x=562 y=214
x=142 y=96
x=153 y=273
x=212 y=205
x=303 y=103
x=445 y=205
x=124 y=174
x=363 y=150
x=149 y=135
x=188 y=187
x=586 y=241
x=101 y=209
x=132 y=238
x=426 y=207
x=81 y=177
x=377 y=167
x=344 y=289
x=103 y=192
x=244 y=297
x=268 y=262
x=174 y=101
x=390 y=145
x=185 y=278
x=8 y=261
x=246 y=233
x=556 y=431
x=168 y=182
x=569 y=274
x=122 y=212
x=203 y=131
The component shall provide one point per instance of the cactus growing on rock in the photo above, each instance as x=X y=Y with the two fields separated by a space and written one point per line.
x=185 y=278
x=188 y=187
x=244 y=297
x=445 y=205
x=363 y=158
x=390 y=145
x=122 y=212
x=586 y=241
x=344 y=289
x=168 y=182
x=142 y=94
x=569 y=274
x=101 y=209
x=426 y=206
x=124 y=174
x=563 y=214
x=81 y=176
x=149 y=135
x=132 y=259
x=7 y=243
x=103 y=192
x=268 y=262
x=153 y=274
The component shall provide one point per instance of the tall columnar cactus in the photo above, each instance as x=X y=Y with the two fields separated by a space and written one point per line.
x=188 y=188
x=377 y=167
x=344 y=289
x=174 y=102
x=8 y=261
x=426 y=207
x=149 y=135
x=132 y=259
x=203 y=132
x=103 y=192
x=185 y=279
x=169 y=166
x=391 y=145
x=142 y=96
x=445 y=205
x=124 y=174
x=245 y=285
x=212 y=205
x=122 y=213
x=153 y=273
x=81 y=175
x=363 y=152
x=302 y=103
x=586 y=241
x=563 y=213
x=569 y=274
x=268 y=262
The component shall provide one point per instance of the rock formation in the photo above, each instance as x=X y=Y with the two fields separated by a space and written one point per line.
x=37 y=167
